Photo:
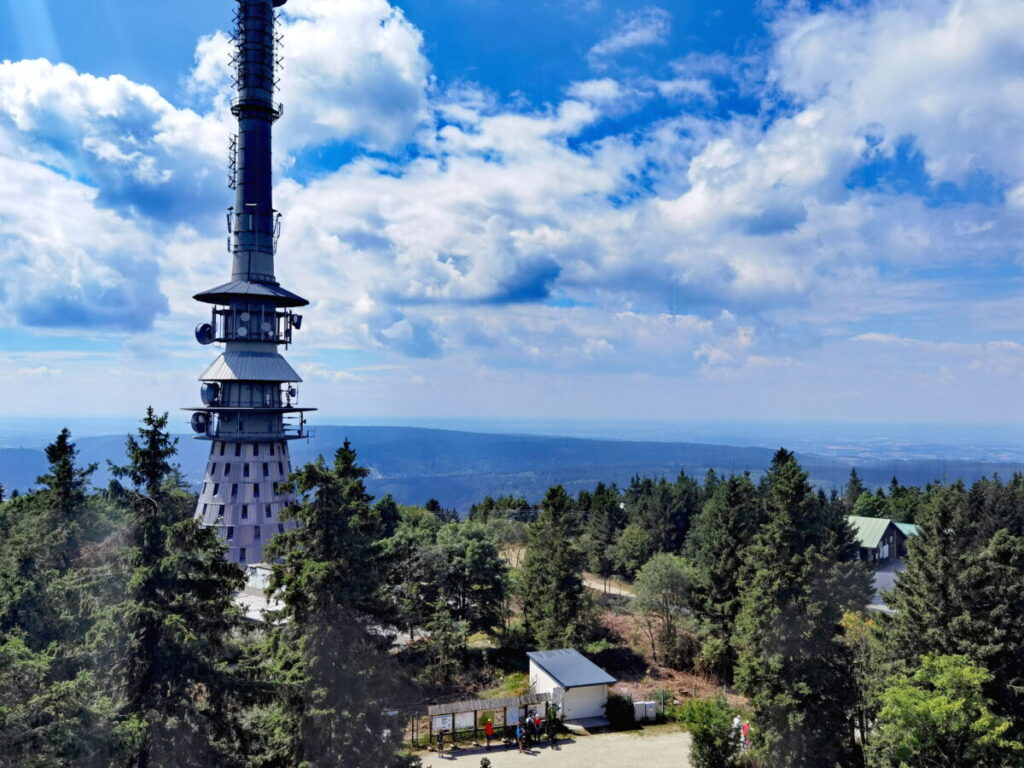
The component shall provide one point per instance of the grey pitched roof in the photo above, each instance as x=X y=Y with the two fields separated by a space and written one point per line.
x=250 y=366
x=570 y=669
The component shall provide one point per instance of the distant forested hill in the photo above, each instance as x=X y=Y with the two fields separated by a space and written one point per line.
x=460 y=468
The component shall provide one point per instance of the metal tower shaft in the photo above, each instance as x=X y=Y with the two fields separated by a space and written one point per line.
x=249 y=396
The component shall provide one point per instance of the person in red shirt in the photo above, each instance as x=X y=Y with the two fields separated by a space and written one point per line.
x=489 y=732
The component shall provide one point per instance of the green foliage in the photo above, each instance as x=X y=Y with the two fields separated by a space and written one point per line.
x=633 y=548
x=662 y=589
x=718 y=538
x=715 y=743
x=619 y=711
x=962 y=593
x=797 y=585
x=332 y=674
x=502 y=508
x=937 y=715
x=446 y=648
x=557 y=610
x=162 y=639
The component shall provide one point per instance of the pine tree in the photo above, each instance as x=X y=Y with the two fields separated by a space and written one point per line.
x=715 y=546
x=331 y=671
x=603 y=523
x=962 y=593
x=163 y=642
x=64 y=491
x=555 y=604
x=792 y=663
x=853 y=491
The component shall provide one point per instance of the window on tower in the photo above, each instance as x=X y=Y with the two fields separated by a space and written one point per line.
x=223 y=445
x=271 y=449
x=216 y=488
x=270 y=511
x=245 y=470
x=256 y=491
x=256 y=534
x=245 y=511
x=255 y=449
x=234 y=490
x=238 y=449
x=231 y=532
x=241 y=554
x=266 y=469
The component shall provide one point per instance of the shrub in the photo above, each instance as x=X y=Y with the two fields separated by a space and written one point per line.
x=715 y=743
x=619 y=711
x=714 y=657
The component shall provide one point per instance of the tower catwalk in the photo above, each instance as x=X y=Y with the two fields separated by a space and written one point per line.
x=249 y=407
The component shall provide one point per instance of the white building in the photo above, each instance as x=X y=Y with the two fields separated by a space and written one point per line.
x=575 y=683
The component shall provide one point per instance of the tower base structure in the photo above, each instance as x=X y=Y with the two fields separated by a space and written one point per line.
x=239 y=496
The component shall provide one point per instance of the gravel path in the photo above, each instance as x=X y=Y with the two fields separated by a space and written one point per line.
x=658 y=747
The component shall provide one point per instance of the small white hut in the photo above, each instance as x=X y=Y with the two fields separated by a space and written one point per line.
x=576 y=683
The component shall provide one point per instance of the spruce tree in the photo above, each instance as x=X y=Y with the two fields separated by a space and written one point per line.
x=853 y=491
x=64 y=492
x=603 y=523
x=334 y=680
x=718 y=538
x=163 y=639
x=792 y=663
x=962 y=593
x=556 y=608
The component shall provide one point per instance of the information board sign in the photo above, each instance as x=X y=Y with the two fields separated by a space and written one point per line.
x=464 y=721
x=440 y=723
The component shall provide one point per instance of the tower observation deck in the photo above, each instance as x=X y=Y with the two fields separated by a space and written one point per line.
x=249 y=393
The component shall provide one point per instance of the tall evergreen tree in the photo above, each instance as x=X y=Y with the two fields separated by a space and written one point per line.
x=555 y=604
x=603 y=523
x=65 y=487
x=163 y=637
x=718 y=538
x=334 y=679
x=854 y=489
x=962 y=593
x=792 y=663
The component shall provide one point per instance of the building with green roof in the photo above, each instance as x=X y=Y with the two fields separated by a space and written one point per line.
x=880 y=538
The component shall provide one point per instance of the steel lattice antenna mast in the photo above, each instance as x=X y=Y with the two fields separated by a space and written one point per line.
x=249 y=398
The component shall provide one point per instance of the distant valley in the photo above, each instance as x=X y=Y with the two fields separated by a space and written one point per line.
x=459 y=468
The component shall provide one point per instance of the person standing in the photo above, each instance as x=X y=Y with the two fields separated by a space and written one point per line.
x=520 y=736
x=489 y=732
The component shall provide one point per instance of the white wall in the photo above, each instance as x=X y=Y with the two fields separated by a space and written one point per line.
x=540 y=681
x=585 y=702
x=578 y=702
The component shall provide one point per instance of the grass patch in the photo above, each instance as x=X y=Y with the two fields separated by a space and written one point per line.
x=512 y=684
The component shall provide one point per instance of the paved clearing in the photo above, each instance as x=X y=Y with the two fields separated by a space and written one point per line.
x=656 y=747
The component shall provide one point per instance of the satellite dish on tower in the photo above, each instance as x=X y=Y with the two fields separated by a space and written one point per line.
x=210 y=393
x=204 y=333
x=200 y=422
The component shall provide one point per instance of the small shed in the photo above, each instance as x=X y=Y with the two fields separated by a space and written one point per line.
x=576 y=684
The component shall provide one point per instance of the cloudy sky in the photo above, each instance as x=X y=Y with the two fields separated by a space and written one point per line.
x=573 y=208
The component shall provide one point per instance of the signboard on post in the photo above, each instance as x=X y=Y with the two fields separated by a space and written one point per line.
x=464 y=721
x=440 y=723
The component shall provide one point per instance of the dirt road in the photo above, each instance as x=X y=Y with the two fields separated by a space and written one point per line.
x=615 y=586
x=656 y=747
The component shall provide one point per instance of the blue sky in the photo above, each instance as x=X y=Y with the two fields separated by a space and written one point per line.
x=555 y=208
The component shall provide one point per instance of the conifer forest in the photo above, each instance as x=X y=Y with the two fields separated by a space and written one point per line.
x=121 y=643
